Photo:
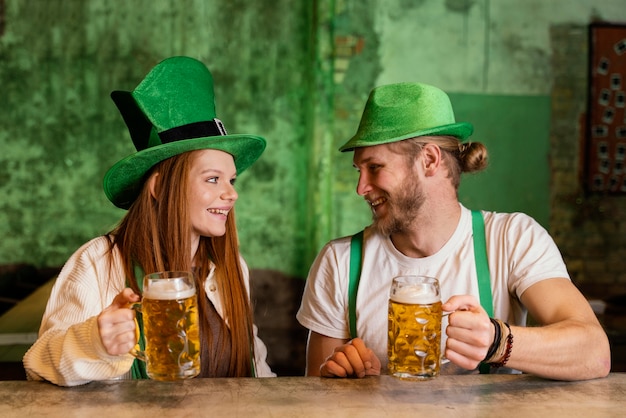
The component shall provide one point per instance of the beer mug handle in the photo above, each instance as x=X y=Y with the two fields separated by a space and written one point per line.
x=137 y=350
x=443 y=359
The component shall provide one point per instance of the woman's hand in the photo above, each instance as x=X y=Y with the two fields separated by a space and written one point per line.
x=116 y=324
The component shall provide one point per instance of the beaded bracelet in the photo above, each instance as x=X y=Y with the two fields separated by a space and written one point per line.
x=509 y=348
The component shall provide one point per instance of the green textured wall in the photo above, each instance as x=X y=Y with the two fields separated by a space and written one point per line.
x=60 y=131
x=515 y=131
x=494 y=60
x=295 y=72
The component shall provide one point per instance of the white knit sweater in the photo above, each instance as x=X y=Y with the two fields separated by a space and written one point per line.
x=69 y=351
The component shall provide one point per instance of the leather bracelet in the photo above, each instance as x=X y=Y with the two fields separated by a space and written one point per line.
x=496 y=340
x=509 y=348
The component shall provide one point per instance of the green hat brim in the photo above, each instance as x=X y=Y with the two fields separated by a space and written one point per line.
x=460 y=130
x=124 y=180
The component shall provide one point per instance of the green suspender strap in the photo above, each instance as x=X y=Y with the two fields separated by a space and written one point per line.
x=138 y=369
x=482 y=270
x=480 y=259
x=356 y=253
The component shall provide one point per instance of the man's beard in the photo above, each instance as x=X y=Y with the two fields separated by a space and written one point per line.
x=402 y=207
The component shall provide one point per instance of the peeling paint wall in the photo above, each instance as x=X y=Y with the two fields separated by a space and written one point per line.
x=60 y=131
x=295 y=72
x=493 y=57
x=479 y=46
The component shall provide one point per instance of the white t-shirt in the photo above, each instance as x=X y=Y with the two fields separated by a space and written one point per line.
x=520 y=252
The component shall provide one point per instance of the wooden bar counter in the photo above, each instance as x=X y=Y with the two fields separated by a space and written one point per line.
x=380 y=396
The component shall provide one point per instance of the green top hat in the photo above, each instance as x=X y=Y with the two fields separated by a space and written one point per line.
x=172 y=111
x=396 y=112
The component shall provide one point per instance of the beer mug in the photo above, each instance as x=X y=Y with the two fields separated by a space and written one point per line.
x=169 y=310
x=414 y=340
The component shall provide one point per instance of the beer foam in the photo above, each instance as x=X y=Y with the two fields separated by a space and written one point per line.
x=414 y=295
x=167 y=290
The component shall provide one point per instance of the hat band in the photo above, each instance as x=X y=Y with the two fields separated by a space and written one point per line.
x=193 y=130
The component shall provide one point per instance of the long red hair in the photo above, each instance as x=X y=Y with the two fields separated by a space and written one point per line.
x=155 y=234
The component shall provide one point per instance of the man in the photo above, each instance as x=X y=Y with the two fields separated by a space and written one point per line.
x=409 y=153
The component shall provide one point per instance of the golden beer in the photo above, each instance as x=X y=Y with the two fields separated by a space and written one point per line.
x=414 y=341
x=169 y=310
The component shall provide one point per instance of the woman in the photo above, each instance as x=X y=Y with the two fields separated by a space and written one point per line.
x=179 y=192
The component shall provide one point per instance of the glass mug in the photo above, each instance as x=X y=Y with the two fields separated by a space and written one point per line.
x=414 y=342
x=169 y=310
